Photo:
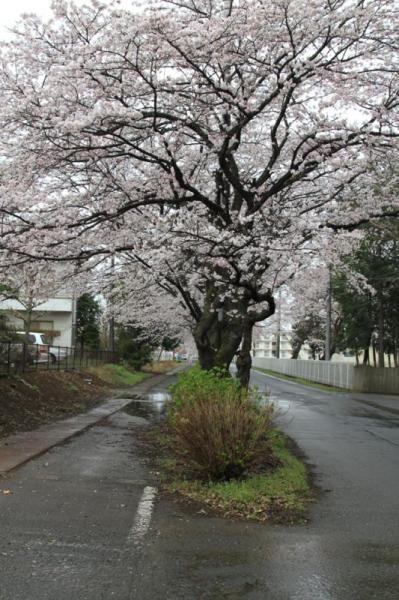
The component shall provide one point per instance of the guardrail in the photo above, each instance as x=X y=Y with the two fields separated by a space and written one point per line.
x=18 y=357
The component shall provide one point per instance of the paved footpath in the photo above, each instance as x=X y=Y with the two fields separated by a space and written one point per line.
x=86 y=521
x=17 y=449
x=72 y=520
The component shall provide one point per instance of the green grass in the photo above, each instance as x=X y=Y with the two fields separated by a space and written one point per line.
x=118 y=374
x=314 y=384
x=161 y=366
x=280 y=494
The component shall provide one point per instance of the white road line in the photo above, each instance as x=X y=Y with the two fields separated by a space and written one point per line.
x=143 y=517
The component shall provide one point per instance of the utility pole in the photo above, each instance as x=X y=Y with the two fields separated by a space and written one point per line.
x=111 y=323
x=327 y=349
x=380 y=340
x=73 y=332
x=278 y=337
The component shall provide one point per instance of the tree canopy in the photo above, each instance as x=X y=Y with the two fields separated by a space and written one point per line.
x=213 y=146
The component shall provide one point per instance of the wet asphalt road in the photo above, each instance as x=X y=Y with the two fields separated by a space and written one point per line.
x=75 y=526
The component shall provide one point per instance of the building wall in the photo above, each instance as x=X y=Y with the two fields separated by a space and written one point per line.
x=57 y=314
x=265 y=346
x=50 y=305
x=61 y=322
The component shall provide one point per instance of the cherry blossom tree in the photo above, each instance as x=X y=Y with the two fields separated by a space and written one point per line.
x=29 y=285
x=212 y=146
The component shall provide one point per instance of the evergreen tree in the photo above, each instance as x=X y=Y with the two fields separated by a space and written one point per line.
x=134 y=346
x=371 y=316
x=88 y=313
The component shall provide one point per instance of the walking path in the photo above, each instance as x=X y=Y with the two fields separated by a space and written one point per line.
x=17 y=449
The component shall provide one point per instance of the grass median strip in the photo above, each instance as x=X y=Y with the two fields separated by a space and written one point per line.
x=220 y=447
x=280 y=494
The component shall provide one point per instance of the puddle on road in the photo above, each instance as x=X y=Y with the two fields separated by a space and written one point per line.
x=281 y=404
x=152 y=406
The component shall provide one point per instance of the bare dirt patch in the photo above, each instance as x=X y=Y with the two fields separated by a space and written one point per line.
x=33 y=399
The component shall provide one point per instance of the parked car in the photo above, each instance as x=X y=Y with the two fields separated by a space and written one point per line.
x=44 y=351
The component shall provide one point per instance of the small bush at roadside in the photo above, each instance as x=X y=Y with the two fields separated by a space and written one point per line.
x=279 y=494
x=220 y=430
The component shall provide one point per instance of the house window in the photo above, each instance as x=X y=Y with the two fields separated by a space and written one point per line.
x=40 y=326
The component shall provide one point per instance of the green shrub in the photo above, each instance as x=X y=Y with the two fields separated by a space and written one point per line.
x=133 y=348
x=220 y=430
x=195 y=383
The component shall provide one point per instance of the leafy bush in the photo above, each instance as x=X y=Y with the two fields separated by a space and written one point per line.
x=195 y=382
x=220 y=430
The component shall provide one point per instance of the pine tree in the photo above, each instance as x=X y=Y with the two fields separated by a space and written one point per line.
x=88 y=313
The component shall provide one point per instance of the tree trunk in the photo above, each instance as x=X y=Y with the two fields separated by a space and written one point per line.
x=217 y=340
x=244 y=360
x=366 y=356
x=222 y=327
x=296 y=348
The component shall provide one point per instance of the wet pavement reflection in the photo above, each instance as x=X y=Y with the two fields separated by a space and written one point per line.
x=151 y=407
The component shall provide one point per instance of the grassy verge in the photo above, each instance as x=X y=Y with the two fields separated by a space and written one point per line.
x=161 y=366
x=281 y=494
x=118 y=374
x=293 y=378
x=29 y=400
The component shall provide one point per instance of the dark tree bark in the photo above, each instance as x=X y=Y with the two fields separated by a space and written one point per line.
x=244 y=360
x=218 y=335
x=366 y=356
x=296 y=348
x=217 y=338
x=374 y=355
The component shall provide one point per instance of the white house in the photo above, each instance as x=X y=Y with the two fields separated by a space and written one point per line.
x=56 y=317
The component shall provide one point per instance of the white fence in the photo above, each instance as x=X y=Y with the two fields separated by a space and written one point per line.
x=375 y=380
x=342 y=375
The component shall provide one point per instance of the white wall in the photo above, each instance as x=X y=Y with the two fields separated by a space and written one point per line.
x=51 y=305
x=62 y=322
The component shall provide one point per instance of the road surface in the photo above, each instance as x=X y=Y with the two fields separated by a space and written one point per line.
x=85 y=521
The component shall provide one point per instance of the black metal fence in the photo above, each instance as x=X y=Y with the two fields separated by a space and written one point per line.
x=18 y=357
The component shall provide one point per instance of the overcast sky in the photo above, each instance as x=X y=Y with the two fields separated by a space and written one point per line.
x=10 y=11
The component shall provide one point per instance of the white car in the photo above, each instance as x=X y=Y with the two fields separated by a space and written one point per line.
x=45 y=351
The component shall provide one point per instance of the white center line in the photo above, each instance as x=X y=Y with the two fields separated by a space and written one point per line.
x=143 y=516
